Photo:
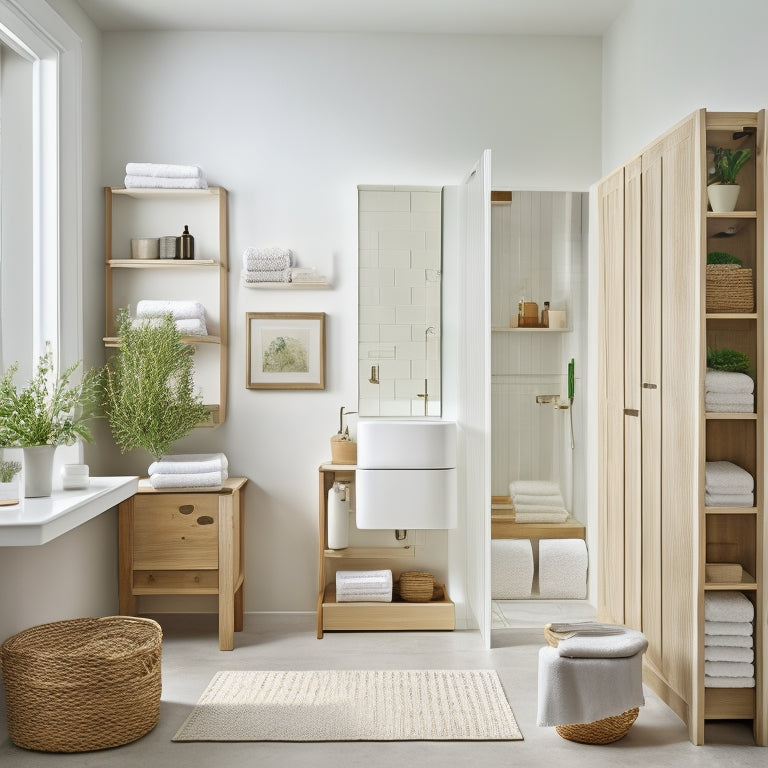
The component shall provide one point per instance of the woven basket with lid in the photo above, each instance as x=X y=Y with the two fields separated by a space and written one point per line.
x=416 y=586
x=82 y=684
x=729 y=288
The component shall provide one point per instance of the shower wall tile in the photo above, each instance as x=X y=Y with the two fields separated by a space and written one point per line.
x=395 y=259
x=395 y=332
x=397 y=239
x=368 y=332
x=395 y=295
x=427 y=201
x=375 y=200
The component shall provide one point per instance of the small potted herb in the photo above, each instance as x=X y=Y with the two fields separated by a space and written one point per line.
x=722 y=189
x=9 y=482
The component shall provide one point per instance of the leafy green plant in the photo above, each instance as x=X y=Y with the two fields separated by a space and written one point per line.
x=50 y=409
x=149 y=396
x=720 y=257
x=727 y=164
x=727 y=360
x=8 y=470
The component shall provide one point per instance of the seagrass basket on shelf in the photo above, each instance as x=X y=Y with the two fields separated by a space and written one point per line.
x=604 y=731
x=82 y=684
x=730 y=288
x=417 y=586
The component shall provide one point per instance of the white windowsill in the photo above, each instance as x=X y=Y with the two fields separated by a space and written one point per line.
x=38 y=521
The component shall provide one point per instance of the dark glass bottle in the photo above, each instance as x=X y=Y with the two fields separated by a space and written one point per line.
x=186 y=245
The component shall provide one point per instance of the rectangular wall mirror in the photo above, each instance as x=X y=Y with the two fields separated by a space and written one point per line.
x=399 y=300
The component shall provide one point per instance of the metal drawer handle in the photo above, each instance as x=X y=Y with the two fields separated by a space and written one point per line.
x=205 y=520
x=187 y=509
x=649 y=386
x=631 y=412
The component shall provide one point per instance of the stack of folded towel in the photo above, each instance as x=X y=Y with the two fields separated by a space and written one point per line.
x=164 y=176
x=188 y=316
x=728 y=485
x=728 y=648
x=364 y=586
x=728 y=392
x=266 y=265
x=189 y=470
x=537 y=501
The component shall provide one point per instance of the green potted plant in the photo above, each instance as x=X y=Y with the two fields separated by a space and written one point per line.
x=51 y=410
x=148 y=396
x=9 y=482
x=722 y=189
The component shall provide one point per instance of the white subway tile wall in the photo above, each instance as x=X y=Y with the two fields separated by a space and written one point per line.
x=400 y=262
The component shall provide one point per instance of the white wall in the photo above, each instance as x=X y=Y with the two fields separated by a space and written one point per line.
x=291 y=124
x=662 y=60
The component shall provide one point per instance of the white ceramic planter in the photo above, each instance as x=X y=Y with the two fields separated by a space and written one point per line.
x=38 y=470
x=723 y=197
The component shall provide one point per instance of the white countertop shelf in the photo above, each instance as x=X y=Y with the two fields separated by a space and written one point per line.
x=38 y=521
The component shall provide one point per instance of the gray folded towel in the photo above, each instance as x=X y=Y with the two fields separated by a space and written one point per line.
x=729 y=606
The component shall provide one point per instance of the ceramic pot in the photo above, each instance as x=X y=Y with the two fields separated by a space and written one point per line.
x=38 y=470
x=9 y=492
x=723 y=197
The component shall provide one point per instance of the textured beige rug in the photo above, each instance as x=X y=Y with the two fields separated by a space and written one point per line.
x=352 y=705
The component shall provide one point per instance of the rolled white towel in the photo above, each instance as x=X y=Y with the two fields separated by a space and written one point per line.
x=729 y=682
x=728 y=653
x=189 y=463
x=729 y=499
x=563 y=568
x=728 y=669
x=178 y=309
x=727 y=381
x=167 y=170
x=727 y=628
x=364 y=586
x=728 y=641
x=549 y=500
x=162 y=182
x=730 y=606
x=533 y=488
x=727 y=477
x=197 y=480
x=511 y=569
x=266 y=276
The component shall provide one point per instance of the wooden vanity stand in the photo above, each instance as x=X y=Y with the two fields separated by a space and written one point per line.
x=185 y=543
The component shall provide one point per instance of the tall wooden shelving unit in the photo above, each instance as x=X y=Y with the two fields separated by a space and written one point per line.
x=656 y=534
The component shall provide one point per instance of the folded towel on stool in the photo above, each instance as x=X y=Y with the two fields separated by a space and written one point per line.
x=163 y=182
x=563 y=568
x=167 y=170
x=728 y=606
x=364 y=586
x=511 y=569
x=210 y=480
x=584 y=690
x=593 y=646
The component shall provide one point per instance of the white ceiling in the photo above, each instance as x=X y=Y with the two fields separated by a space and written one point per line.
x=512 y=17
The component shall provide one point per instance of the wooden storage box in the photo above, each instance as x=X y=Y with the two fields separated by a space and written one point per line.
x=719 y=573
x=730 y=288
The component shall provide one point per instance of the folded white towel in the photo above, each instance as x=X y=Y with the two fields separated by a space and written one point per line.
x=265 y=276
x=563 y=568
x=550 y=500
x=730 y=606
x=728 y=653
x=194 y=326
x=364 y=586
x=189 y=463
x=179 y=310
x=728 y=398
x=541 y=517
x=261 y=259
x=727 y=477
x=584 y=690
x=729 y=407
x=727 y=628
x=729 y=682
x=594 y=646
x=533 y=488
x=511 y=569
x=539 y=509
x=728 y=669
x=167 y=170
x=727 y=381
x=163 y=182
x=729 y=499
x=728 y=641
x=197 y=480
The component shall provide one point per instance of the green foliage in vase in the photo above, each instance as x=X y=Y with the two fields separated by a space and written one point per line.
x=727 y=360
x=149 y=396
x=50 y=409
x=727 y=164
x=720 y=257
x=8 y=470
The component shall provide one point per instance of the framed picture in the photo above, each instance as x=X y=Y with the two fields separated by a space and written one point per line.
x=285 y=350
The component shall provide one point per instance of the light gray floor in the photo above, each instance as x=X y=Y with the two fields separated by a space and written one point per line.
x=284 y=641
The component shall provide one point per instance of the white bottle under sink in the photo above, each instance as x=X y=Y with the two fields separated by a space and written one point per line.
x=406 y=474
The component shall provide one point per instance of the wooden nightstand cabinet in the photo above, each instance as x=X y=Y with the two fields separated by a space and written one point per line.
x=185 y=543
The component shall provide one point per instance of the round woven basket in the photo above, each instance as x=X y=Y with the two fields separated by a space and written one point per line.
x=82 y=684
x=603 y=731
x=729 y=288
x=417 y=586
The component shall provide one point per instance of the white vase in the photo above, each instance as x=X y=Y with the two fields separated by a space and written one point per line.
x=38 y=470
x=9 y=492
x=338 y=517
x=723 y=197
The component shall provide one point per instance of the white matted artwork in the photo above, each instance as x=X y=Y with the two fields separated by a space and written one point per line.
x=285 y=350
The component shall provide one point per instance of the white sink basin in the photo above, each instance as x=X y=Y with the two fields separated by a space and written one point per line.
x=406 y=444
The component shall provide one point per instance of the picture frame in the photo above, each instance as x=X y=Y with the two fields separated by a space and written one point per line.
x=285 y=350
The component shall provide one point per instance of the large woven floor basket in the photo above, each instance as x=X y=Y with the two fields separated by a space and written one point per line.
x=729 y=288
x=82 y=684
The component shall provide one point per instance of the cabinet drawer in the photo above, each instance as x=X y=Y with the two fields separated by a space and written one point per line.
x=175 y=531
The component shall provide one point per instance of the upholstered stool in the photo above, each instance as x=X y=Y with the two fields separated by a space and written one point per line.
x=590 y=681
x=82 y=684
